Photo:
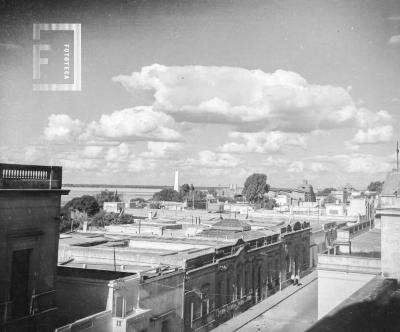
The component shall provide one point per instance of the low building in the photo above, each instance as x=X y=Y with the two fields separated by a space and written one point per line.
x=98 y=299
x=337 y=210
x=115 y=207
x=228 y=266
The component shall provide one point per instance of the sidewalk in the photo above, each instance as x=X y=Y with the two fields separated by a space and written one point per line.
x=239 y=321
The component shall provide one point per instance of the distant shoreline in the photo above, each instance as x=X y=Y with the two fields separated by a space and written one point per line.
x=74 y=185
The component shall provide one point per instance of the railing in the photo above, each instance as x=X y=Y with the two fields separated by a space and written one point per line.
x=14 y=176
x=6 y=310
x=100 y=321
x=41 y=302
x=38 y=304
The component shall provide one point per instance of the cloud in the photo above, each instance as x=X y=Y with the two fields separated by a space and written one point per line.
x=131 y=124
x=262 y=142
x=26 y=154
x=140 y=165
x=296 y=167
x=120 y=153
x=105 y=160
x=381 y=134
x=394 y=40
x=161 y=149
x=135 y=124
x=394 y=18
x=250 y=99
x=318 y=167
x=275 y=162
x=93 y=151
x=210 y=159
x=354 y=163
x=62 y=128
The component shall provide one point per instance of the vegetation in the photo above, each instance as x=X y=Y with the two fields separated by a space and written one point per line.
x=107 y=196
x=269 y=203
x=85 y=203
x=376 y=186
x=138 y=203
x=330 y=199
x=169 y=195
x=103 y=218
x=325 y=192
x=255 y=187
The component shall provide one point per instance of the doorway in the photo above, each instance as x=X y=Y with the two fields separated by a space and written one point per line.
x=19 y=290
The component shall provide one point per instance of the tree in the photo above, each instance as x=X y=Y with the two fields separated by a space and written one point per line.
x=330 y=199
x=170 y=195
x=376 y=186
x=255 y=187
x=85 y=203
x=184 y=191
x=138 y=202
x=107 y=196
x=325 y=192
x=269 y=203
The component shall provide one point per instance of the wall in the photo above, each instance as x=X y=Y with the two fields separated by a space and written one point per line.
x=80 y=297
x=30 y=220
x=390 y=231
x=335 y=286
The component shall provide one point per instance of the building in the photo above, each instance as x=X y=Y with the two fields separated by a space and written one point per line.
x=115 y=207
x=309 y=195
x=29 y=229
x=97 y=298
x=227 y=266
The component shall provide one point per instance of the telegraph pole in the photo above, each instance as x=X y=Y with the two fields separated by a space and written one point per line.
x=397 y=154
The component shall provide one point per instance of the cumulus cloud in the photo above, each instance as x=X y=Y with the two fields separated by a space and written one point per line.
x=62 y=128
x=394 y=40
x=381 y=134
x=249 y=99
x=131 y=124
x=161 y=149
x=137 y=123
x=262 y=142
x=120 y=153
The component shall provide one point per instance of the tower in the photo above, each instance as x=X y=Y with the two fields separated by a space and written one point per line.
x=176 y=183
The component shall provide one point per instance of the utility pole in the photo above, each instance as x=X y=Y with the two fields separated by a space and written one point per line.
x=397 y=153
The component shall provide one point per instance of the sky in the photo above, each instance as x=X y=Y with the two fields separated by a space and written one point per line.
x=216 y=89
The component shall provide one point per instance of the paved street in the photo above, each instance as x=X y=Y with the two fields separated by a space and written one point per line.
x=297 y=313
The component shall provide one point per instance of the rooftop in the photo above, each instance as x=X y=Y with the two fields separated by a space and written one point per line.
x=367 y=244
